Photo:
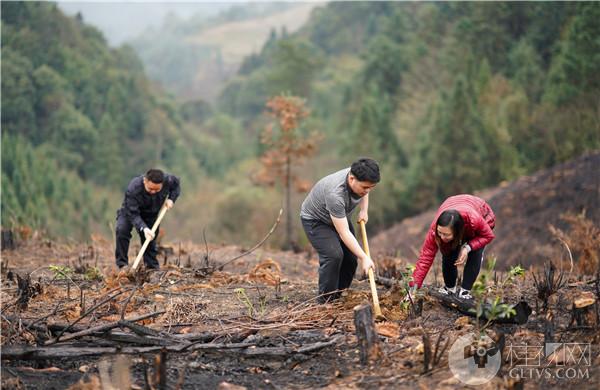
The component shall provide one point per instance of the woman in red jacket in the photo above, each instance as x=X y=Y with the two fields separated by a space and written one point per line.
x=461 y=229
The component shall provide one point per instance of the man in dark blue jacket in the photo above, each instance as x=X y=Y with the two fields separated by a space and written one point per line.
x=144 y=197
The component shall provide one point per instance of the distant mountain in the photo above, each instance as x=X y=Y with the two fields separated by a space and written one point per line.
x=123 y=21
x=194 y=58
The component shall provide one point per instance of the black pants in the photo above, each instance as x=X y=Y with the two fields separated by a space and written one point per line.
x=123 y=233
x=472 y=267
x=337 y=264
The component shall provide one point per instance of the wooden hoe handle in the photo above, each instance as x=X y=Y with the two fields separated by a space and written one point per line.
x=161 y=214
x=376 y=307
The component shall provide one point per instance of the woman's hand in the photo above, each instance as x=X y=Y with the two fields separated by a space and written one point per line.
x=462 y=257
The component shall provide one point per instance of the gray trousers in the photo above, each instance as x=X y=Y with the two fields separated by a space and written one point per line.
x=337 y=264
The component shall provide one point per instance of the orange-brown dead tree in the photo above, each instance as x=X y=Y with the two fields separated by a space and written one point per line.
x=287 y=146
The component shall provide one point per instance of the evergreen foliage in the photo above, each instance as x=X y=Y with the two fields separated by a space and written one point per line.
x=448 y=97
x=78 y=118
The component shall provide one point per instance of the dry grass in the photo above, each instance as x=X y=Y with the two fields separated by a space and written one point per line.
x=582 y=241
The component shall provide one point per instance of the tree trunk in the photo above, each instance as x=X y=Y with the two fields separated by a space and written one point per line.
x=368 y=341
x=288 y=203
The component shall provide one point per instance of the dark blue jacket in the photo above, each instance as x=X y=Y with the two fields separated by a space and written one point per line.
x=140 y=207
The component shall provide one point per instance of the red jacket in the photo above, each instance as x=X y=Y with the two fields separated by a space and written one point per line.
x=479 y=221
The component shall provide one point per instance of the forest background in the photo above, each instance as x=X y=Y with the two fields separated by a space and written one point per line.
x=448 y=97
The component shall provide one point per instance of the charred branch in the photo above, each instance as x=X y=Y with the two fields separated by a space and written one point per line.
x=468 y=307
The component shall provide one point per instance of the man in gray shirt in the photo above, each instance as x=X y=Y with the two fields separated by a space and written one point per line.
x=324 y=216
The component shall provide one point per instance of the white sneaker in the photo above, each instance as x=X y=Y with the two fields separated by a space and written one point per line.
x=464 y=294
x=447 y=290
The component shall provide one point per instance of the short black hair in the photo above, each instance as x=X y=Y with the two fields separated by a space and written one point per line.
x=366 y=169
x=156 y=176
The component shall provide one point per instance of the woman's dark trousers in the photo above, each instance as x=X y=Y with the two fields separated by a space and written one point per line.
x=472 y=267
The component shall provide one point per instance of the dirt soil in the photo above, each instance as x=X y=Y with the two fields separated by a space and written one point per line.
x=264 y=301
x=525 y=209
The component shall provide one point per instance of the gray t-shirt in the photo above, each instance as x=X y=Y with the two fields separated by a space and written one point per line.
x=330 y=196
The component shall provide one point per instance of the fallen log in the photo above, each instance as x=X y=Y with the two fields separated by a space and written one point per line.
x=122 y=337
x=100 y=329
x=281 y=352
x=468 y=307
x=140 y=330
x=387 y=282
x=27 y=324
x=27 y=352
x=213 y=346
x=197 y=337
x=58 y=327
x=318 y=346
x=19 y=352
x=95 y=330
x=278 y=352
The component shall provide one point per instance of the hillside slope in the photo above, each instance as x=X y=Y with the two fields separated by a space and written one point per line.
x=409 y=84
x=524 y=209
x=193 y=59
x=79 y=120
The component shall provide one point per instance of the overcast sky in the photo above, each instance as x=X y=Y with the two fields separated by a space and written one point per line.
x=123 y=20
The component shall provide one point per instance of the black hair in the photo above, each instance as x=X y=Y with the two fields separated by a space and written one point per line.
x=366 y=169
x=156 y=176
x=452 y=219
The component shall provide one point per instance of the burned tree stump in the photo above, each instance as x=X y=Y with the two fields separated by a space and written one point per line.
x=427 y=363
x=26 y=290
x=549 y=328
x=584 y=310
x=160 y=370
x=166 y=251
x=368 y=341
x=416 y=309
x=8 y=240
